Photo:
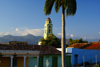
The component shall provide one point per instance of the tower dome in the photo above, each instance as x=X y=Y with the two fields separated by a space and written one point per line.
x=48 y=19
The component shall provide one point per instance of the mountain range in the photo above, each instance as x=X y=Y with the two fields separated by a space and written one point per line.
x=31 y=39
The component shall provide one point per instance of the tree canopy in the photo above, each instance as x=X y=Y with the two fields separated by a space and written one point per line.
x=71 y=41
x=99 y=40
x=68 y=5
x=51 y=40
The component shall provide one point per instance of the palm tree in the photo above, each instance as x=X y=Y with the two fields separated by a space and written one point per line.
x=70 y=7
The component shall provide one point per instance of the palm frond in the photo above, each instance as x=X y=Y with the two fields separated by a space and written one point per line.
x=71 y=7
x=48 y=6
x=57 y=5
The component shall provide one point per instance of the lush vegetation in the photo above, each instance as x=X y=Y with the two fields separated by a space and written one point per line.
x=51 y=40
x=71 y=41
x=99 y=40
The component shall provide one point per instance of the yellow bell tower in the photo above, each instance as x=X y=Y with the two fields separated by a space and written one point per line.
x=47 y=28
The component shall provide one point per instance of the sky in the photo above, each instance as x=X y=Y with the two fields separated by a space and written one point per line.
x=22 y=17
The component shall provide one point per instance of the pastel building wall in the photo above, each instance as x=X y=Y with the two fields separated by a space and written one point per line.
x=77 y=55
x=32 y=61
x=4 y=60
x=52 y=63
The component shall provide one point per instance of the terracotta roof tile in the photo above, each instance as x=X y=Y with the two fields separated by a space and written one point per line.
x=93 y=45
x=80 y=45
x=44 y=49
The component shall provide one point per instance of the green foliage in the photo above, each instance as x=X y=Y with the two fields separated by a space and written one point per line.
x=69 y=6
x=76 y=41
x=51 y=40
x=99 y=40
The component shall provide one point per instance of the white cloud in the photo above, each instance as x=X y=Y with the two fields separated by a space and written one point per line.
x=89 y=37
x=59 y=34
x=68 y=35
x=1 y=33
x=36 y=32
x=99 y=32
x=7 y=33
x=84 y=37
x=24 y=31
x=17 y=29
x=72 y=35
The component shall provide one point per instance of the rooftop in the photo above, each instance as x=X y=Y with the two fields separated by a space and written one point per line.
x=44 y=49
x=48 y=19
x=93 y=45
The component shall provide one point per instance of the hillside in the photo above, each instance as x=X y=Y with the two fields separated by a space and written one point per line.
x=31 y=39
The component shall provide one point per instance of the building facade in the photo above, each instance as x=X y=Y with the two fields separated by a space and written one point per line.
x=29 y=56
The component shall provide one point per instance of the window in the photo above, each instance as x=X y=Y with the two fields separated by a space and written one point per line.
x=49 y=30
x=49 y=26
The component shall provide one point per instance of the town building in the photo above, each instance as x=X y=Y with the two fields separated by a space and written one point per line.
x=80 y=53
x=29 y=56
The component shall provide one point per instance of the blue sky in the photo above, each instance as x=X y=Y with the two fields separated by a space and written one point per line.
x=22 y=17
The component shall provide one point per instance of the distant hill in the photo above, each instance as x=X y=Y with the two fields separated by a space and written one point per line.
x=31 y=39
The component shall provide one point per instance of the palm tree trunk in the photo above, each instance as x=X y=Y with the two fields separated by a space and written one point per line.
x=63 y=38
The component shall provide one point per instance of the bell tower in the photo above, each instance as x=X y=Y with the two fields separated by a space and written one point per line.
x=47 y=28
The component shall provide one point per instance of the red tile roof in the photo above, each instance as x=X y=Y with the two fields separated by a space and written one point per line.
x=80 y=45
x=93 y=45
x=44 y=49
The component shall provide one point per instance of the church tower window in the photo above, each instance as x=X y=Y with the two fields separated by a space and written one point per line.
x=49 y=26
x=49 y=30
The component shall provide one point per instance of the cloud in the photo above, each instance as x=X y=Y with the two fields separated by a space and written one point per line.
x=71 y=35
x=59 y=34
x=24 y=31
x=84 y=37
x=7 y=33
x=88 y=37
x=36 y=32
x=99 y=32
x=17 y=29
